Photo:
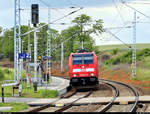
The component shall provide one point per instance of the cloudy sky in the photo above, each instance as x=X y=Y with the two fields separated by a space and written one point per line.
x=113 y=13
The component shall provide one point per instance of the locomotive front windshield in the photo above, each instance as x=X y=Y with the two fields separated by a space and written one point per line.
x=82 y=59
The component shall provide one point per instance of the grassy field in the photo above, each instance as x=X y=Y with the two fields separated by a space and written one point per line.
x=143 y=64
x=29 y=92
x=16 y=107
x=7 y=74
x=143 y=74
x=143 y=69
x=122 y=47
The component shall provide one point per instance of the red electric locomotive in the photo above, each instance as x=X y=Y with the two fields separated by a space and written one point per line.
x=83 y=70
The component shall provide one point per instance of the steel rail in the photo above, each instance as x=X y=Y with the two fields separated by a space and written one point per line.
x=135 y=92
x=52 y=103
x=71 y=104
x=104 y=109
x=108 y=106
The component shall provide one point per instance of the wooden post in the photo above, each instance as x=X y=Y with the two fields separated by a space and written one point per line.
x=3 y=94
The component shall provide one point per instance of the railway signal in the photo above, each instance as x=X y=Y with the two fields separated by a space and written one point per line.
x=35 y=20
x=35 y=14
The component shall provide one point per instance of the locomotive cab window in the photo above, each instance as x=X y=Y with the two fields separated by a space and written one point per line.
x=88 y=59
x=83 y=59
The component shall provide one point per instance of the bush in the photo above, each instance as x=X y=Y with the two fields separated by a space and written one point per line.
x=115 y=51
x=127 y=57
x=128 y=54
x=116 y=61
x=144 y=53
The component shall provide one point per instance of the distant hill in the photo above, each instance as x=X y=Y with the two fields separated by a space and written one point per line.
x=123 y=47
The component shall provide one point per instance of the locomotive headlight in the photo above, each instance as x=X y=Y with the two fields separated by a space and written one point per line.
x=74 y=75
x=91 y=74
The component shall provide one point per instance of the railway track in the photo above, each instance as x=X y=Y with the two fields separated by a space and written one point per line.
x=67 y=95
x=71 y=104
x=102 y=108
x=134 y=92
x=106 y=107
x=131 y=107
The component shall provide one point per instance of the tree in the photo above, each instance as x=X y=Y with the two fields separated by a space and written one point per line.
x=81 y=32
x=81 y=21
x=73 y=37
x=7 y=41
x=84 y=23
x=72 y=34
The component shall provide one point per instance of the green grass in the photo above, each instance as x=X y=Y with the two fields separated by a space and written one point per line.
x=142 y=74
x=29 y=92
x=147 y=62
x=143 y=58
x=143 y=69
x=7 y=74
x=16 y=107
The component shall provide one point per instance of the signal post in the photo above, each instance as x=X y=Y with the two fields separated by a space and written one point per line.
x=35 y=20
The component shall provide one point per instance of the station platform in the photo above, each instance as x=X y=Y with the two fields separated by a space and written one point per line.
x=58 y=84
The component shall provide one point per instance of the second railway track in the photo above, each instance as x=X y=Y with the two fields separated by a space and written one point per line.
x=132 y=91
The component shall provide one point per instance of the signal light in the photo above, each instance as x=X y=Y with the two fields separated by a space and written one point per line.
x=35 y=14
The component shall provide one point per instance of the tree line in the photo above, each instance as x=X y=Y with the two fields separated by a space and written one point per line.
x=72 y=37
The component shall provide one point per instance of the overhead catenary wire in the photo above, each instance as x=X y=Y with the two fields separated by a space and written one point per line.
x=54 y=8
x=49 y=4
x=53 y=21
x=118 y=11
x=107 y=31
x=120 y=28
x=64 y=41
x=56 y=20
x=142 y=22
x=135 y=10
x=145 y=3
